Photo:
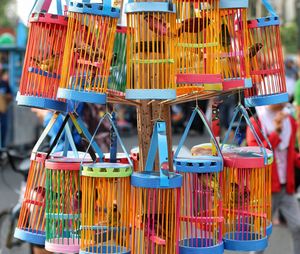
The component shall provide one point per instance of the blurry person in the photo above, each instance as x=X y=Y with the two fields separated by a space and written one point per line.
x=280 y=127
x=5 y=99
x=291 y=76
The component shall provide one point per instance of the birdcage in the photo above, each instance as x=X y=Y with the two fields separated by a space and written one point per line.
x=245 y=192
x=106 y=204
x=88 y=51
x=63 y=204
x=154 y=213
x=117 y=81
x=31 y=223
x=151 y=32
x=266 y=61
x=198 y=45
x=234 y=56
x=43 y=59
x=200 y=214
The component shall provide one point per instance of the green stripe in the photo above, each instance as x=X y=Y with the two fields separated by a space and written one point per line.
x=152 y=61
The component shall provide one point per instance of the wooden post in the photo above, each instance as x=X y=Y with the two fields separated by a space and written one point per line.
x=147 y=114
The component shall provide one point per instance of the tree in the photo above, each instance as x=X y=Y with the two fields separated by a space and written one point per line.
x=7 y=16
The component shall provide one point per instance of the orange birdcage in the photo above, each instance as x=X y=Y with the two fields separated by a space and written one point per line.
x=200 y=214
x=234 y=55
x=88 y=51
x=151 y=36
x=198 y=45
x=154 y=195
x=106 y=204
x=266 y=61
x=43 y=60
x=245 y=192
x=31 y=223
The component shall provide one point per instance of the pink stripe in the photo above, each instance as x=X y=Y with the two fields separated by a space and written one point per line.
x=198 y=78
x=233 y=84
x=46 y=5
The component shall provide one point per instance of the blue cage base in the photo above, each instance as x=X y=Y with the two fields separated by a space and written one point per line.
x=81 y=96
x=240 y=242
x=200 y=246
x=41 y=103
x=30 y=236
x=264 y=100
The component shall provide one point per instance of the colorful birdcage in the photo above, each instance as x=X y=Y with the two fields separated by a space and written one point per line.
x=106 y=205
x=198 y=45
x=266 y=61
x=117 y=81
x=88 y=51
x=31 y=223
x=245 y=192
x=234 y=56
x=151 y=33
x=63 y=207
x=154 y=212
x=200 y=214
x=43 y=60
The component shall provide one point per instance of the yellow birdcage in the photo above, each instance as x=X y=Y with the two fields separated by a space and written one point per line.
x=234 y=53
x=151 y=33
x=88 y=51
x=198 y=45
x=106 y=202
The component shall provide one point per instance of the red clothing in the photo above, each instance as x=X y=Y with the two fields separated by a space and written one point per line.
x=291 y=159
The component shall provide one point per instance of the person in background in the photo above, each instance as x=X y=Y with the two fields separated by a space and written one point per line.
x=280 y=127
x=5 y=99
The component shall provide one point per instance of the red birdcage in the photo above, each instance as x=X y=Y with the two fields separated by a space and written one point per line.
x=88 y=51
x=200 y=205
x=245 y=192
x=266 y=61
x=43 y=60
x=234 y=55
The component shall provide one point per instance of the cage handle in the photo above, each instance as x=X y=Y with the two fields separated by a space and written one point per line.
x=241 y=109
x=85 y=134
x=269 y=8
x=92 y=139
x=46 y=131
x=187 y=129
x=159 y=143
x=44 y=5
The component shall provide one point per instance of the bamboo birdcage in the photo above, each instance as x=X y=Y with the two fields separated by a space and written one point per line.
x=31 y=223
x=246 y=193
x=150 y=50
x=106 y=204
x=234 y=57
x=43 y=60
x=117 y=81
x=266 y=61
x=198 y=45
x=200 y=214
x=88 y=51
x=154 y=212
